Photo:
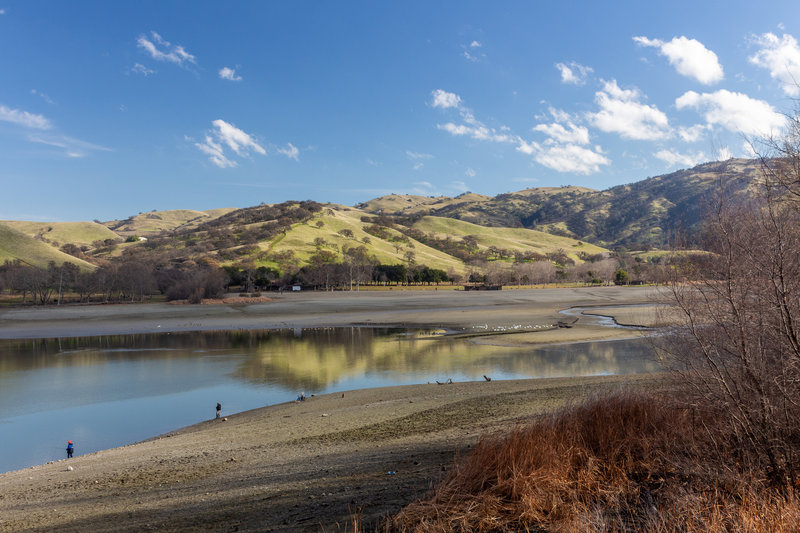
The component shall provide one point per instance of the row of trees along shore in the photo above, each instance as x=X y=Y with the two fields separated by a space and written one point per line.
x=138 y=276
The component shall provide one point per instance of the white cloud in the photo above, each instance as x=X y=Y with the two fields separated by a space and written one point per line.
x=215 y=152
x=168 y=52
x=563 y=133
x=290 y=151
x=418 y=165
x=673 y=158
x=43 y=96
x=417 y=155
x=566 y=158
x=237 y=140
x=72 y=147
x=477 y=131
x=475 y=44
x=724 y=153
x=445 y=100
x=470 y=172
x=692 y=133
x=749 y=150
x=2 y=11
x=735 y=112
x=229 y=74
x=138 y=68
x=689 y=57
x=24 y=118
x=573 y=73
x=781 y=56
x=621 y=112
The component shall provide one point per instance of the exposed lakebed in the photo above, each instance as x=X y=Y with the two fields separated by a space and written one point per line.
x=109 y=391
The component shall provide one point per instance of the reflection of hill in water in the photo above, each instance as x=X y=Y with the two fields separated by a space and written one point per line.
x=317 y=359
x=314 y=359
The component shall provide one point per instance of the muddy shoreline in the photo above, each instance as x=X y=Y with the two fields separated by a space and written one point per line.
x=301 y=466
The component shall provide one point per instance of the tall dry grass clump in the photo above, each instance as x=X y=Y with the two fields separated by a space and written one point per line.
x=624 y=462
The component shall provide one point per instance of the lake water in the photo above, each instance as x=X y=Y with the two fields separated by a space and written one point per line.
x=103 y=392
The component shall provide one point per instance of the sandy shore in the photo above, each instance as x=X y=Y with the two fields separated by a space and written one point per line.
x=304 y=466
x=449 y=309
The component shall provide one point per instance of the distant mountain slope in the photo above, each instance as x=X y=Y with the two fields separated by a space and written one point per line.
x=16 y=245
x=294 y=234
x=58 y=233
x=512 y=239
x=145 y=224
x=646 y=212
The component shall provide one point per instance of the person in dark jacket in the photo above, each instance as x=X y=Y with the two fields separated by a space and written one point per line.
x=219 y=409
x=70 y=449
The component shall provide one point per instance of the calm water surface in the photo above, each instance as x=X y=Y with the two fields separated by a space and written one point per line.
x=103 y=392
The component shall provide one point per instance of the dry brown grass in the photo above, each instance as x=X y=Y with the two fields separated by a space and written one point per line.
x=625 y=462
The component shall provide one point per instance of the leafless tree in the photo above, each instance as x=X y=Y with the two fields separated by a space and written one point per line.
x=737 y=343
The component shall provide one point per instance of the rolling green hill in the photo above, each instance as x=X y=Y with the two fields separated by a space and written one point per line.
x=300 y=239
x=439 y=232
x=145 y=224
x=58 y=233
x=513 y=239
x=16 y=245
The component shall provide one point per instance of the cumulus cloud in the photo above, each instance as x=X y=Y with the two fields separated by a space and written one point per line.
x=566 y=157
x=471 y=127
x=563 y=130
x=735 y=112
x=673 y=158
x=689 y=57
x=573 y=73
x=692 y=133
x=138 y=68
x=229 y=74
x=477 y=131
x=215 y=152
x=621 y=112
x=24 y=118
x=290 y=151
x=227 y=135
x=162 y=50
x=444 y=99
x=724 y=153
x=781 y=56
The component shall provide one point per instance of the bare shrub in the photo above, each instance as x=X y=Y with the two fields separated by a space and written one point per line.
x=624 y=462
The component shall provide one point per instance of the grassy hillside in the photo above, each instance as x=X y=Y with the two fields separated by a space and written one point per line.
x=301 y=238
x=648 y=212
x=514 y=239
x=145 y=224
x=409 y=204
x=16 y=245
x=78 y=233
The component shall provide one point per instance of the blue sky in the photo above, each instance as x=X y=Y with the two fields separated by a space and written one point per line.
x=108 y=109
